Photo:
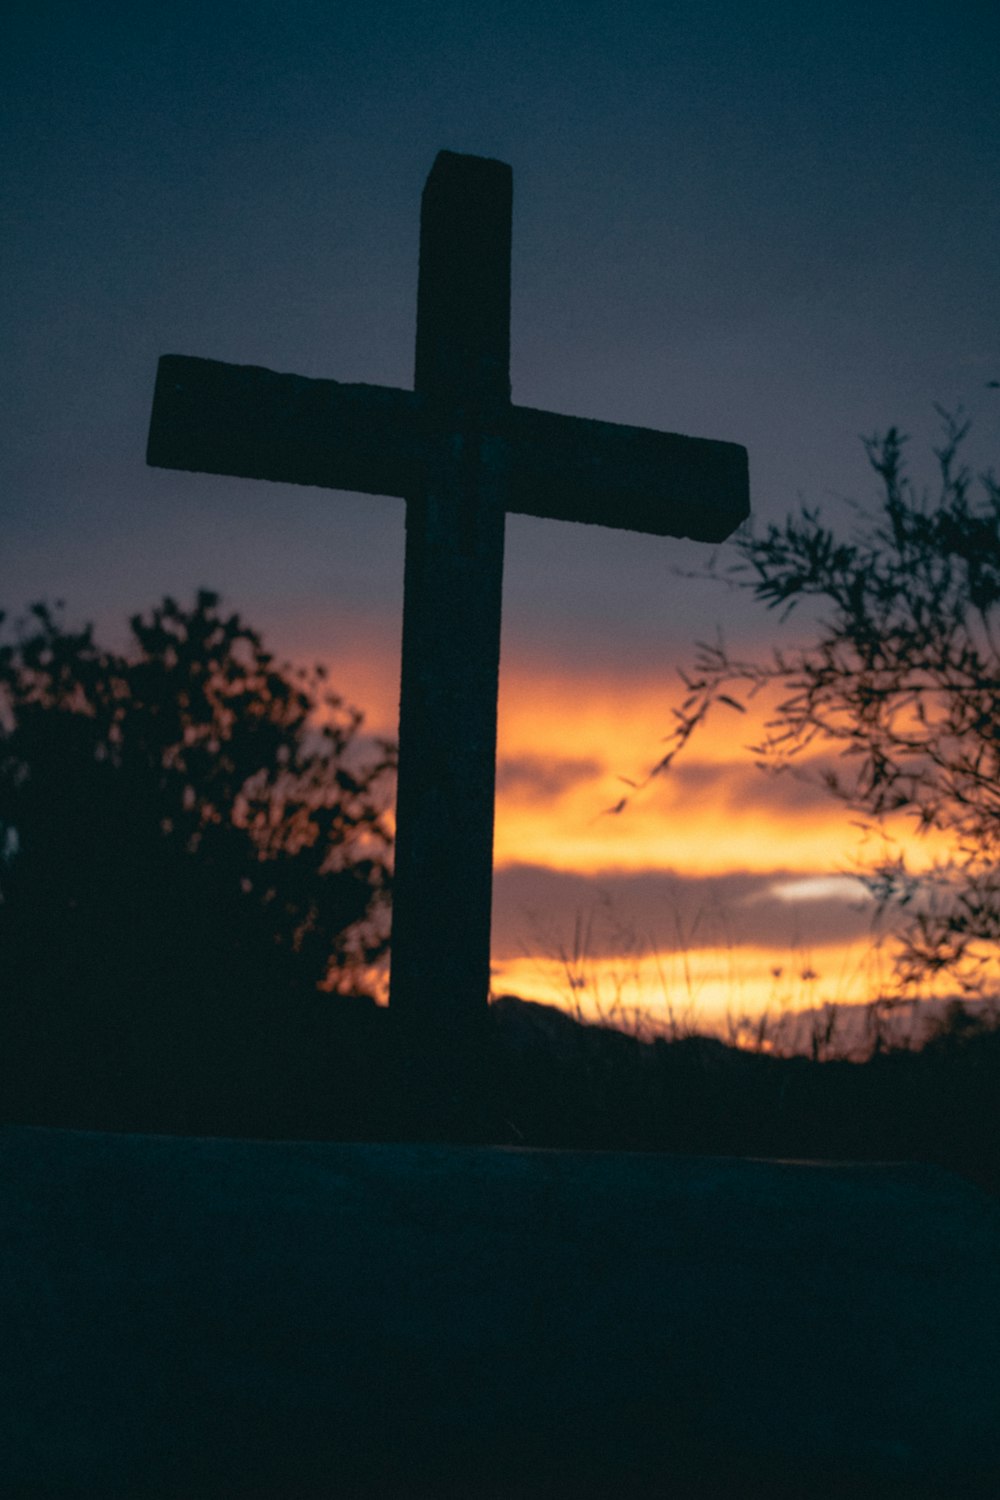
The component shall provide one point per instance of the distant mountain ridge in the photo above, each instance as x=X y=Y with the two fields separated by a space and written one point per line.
x=847 y=1031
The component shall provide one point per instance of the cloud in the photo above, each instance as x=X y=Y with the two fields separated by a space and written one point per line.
x=740 y=786
x=818 y=888
x=539 y=778
x=536 y=908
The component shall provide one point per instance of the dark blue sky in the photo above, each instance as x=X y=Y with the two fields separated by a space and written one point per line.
x=771 y=223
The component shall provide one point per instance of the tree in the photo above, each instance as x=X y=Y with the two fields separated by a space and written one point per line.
x=184 y=827
x=902 y=681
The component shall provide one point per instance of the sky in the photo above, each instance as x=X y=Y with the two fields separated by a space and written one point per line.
x=772 y=224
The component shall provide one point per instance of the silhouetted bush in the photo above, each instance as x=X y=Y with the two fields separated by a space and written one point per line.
x=901 y=680
x=189 y=847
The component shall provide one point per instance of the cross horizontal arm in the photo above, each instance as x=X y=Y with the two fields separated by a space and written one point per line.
x=632 y=478
x=241 y=419
x=244 y=420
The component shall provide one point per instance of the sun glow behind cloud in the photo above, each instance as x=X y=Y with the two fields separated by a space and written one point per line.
x=713 y=812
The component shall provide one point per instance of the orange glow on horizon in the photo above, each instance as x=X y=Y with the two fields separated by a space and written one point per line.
x=718 y=991
x=565 y=742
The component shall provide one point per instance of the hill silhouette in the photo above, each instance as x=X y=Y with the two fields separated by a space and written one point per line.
x=332 y=1068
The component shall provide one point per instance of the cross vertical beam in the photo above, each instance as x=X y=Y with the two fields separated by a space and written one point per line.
x=451 y=622
x=461 y=455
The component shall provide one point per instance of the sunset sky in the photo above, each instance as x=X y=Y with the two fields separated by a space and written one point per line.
x=774 y=224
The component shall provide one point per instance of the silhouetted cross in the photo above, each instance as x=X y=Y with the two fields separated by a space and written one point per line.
x=462 y=455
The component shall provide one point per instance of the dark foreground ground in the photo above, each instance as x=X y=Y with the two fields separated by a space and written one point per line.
x=192 y=1319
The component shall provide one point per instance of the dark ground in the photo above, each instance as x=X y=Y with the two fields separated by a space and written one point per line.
x=207 y=1319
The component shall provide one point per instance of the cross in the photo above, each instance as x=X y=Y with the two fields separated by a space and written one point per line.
x=462 y=455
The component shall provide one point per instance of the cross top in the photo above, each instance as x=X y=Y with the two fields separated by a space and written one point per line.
x=462 y=455
x=463 y=294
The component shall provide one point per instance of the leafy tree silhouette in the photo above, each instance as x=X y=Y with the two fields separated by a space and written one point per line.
x=902 y=679
x=191 y=848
